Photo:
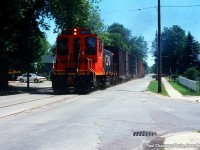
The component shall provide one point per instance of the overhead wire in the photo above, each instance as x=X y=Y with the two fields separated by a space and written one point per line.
x=182 y=6
x=130 y=10
x=153 y=7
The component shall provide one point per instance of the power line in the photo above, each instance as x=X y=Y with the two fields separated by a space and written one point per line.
x=182 y=6
x=153 y=7
x=139 y=9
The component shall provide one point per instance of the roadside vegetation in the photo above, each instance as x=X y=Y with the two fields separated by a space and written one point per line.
x=179 y=56
x=153 y=87
x=182 y=89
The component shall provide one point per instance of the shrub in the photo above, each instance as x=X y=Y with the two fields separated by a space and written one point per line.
x=191 y=73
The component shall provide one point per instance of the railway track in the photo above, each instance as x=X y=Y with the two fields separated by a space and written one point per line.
x=13 y=108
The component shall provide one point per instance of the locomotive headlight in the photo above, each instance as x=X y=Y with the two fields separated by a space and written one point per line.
x=75 y=31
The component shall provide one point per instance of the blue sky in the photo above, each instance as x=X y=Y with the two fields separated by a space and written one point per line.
x=144 y=21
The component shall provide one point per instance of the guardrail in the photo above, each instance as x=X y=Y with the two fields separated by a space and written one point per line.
x=193 y=85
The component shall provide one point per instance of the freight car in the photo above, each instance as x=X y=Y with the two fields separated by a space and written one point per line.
x=123 y=61
x=127 y=65
x=83 y=63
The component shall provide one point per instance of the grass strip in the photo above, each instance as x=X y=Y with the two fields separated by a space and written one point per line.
x=153 y=87
x=181 y=88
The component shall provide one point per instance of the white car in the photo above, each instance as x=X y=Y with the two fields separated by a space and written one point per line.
x=32 y=78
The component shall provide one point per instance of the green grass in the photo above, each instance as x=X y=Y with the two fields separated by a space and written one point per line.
x=198 y=131
x=182 y=89
x=153 y=87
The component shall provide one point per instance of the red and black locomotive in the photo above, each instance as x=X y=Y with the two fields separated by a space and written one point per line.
x=83 y=63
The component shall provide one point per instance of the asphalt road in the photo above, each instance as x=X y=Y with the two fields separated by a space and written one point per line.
x=104 y=119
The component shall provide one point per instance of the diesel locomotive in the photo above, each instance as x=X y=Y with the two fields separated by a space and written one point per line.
x=83 y=62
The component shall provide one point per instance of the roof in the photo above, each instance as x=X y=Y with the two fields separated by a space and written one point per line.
x=48 y=59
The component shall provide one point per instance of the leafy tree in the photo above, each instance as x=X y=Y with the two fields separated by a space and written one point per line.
x=172 y=45
x=68 y=14
x=52 y=50
x=173 y=42
x=154 y=52
x=118 y=35
x=106 y=38
x=139 y=47
x=153 y=69
x=191 y=73
x=119 y=28
x=95 y=23
x=12 y=12
x=21 y=41
x=117 y=40
x=189 y=57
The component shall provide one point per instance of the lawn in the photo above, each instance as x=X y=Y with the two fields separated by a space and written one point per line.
x=182 y=89
x=153 y=87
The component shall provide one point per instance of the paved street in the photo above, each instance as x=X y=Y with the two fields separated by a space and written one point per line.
x=103 y=120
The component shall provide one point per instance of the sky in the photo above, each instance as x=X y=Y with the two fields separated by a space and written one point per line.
x=140 y=16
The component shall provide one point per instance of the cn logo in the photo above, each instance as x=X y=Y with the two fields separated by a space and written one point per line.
x=107 y=60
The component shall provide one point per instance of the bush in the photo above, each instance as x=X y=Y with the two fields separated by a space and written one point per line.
x=191 y=73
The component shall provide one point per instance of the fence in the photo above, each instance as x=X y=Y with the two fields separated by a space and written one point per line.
x=193 y=85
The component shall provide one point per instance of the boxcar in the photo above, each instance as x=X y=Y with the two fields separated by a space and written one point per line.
x=125 y=62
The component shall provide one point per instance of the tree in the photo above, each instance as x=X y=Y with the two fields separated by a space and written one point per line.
x=191 y=73
x=173 y=42
x=154 y=51
x=189 y=57
x=118 y=35
x=172 y=45
x=106 y=38
x=12 y=13
x=21 y=41
x=68 y=14
x=139 y=47
x=119 y=28
x=95 y=23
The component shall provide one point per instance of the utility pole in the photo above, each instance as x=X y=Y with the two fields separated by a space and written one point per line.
x=159 y=51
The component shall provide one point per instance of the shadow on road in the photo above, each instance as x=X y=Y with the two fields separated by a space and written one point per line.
x=21 y=90
x=14 y=90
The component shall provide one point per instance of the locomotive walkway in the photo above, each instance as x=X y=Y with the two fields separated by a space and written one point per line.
x=176 y=95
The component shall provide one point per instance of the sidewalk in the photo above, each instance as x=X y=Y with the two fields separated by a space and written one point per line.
x=176 y=95
x=183 y=140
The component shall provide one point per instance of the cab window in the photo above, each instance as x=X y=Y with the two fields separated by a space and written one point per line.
x=77 y=47
x=62 y=45
x=90 y=44
x=100 y=45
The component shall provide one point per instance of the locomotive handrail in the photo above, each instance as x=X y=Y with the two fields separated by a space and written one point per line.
x=58 y=60
x=90 y=68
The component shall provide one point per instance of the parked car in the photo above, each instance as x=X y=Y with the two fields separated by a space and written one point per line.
x=155 y=76
x=32 y=78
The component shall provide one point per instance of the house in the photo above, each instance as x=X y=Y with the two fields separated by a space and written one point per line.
x=48 y=61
